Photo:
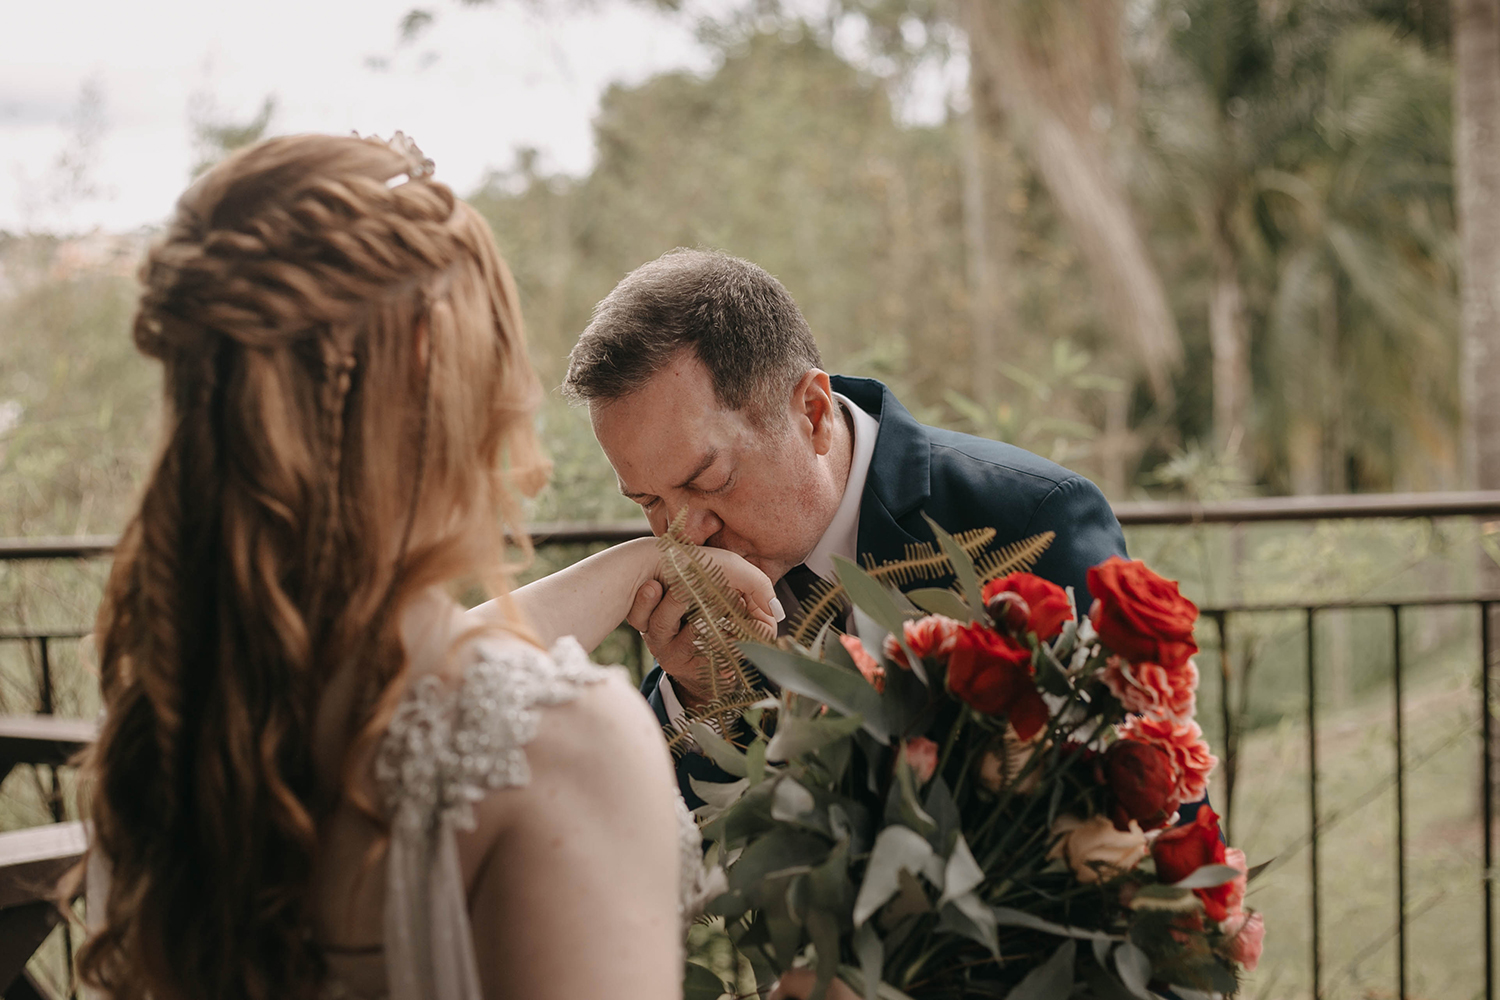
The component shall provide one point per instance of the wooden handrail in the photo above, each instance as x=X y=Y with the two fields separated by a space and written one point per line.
x=1475 y=503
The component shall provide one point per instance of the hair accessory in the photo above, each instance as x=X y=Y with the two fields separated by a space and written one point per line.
x=421 y=167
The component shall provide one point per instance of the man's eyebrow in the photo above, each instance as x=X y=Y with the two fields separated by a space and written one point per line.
x=703 y=466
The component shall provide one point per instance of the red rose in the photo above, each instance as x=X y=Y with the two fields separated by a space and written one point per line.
x=1182 y=850
x=1141 y=781
x=1027 y=603
x=992 y=672
x=1185 y=747
x=1141 y=615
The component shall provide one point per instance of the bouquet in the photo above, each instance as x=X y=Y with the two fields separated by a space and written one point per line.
x=981 y=796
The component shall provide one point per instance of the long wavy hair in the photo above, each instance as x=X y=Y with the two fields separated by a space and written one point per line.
x=348 y=420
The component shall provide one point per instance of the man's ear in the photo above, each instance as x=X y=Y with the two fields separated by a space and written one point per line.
x=814 y=409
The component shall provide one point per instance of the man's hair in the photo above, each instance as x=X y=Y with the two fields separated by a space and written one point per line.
x=737 y=319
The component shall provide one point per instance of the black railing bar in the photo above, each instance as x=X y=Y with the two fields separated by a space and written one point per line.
x=1226 y=716
x=1336 y=816
x=1400 y=805
x=1354 y=604
x=1486 y=800
x=1312 y=800
x=1374 y=946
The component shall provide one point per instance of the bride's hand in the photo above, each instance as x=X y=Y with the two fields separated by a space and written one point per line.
x=797 y=984
x=657 y=615
x=756 y=590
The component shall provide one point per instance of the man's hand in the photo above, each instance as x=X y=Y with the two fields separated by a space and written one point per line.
x=657 y=615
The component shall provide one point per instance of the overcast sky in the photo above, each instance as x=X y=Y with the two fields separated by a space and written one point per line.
x=480 y=83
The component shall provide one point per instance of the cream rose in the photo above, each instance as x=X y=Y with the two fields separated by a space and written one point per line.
x=1094 y=849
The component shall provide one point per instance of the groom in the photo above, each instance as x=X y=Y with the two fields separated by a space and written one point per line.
x=705 y=389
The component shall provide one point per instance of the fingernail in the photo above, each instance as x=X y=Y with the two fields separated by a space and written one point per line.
x=777 y=609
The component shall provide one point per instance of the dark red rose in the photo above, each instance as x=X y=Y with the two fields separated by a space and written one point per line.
x=1042 y=607
x=992 y=672
x=1182 y=850
x=1140 y=615
x=1140 y=779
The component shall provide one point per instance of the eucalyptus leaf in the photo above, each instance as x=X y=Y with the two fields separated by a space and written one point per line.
x=782 y=848
x=1207 y=877
x=823 y=928
x=1007 y=917
x=961 y=875
x=870 y=951
x=847 y=692
x=873 y=635
x=968 y=916
x=700 y=983
x=870 y=596
x=897 y=849
x=1134 y=969
x=799 y=737
x=937 y=601
x=755 y=761
x=835 y=653
x=1050 y=980
x=723 y=753
x=902 y=805
x=718 y=795
x=790 y=801
x=963 y=567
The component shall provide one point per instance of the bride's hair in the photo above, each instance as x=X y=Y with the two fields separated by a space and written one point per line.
x=348 y=407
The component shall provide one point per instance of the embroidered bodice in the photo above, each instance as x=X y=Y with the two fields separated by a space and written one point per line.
x=448 y=746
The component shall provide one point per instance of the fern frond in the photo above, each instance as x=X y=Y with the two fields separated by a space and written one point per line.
x=1017 y=557
x=922 y=561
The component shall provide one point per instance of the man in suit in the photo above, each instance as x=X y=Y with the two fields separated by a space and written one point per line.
x=706 y=391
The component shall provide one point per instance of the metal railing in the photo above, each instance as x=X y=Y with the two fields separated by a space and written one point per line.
x=1223 y=616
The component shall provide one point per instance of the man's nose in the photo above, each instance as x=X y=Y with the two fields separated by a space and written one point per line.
x=701 y=524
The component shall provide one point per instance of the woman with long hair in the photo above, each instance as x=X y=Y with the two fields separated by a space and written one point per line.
x=316 y=776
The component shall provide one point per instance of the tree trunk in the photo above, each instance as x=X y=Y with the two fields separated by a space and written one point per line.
x=983 y=325
x=1057 y=80
x=1476 y=49
x=1229 y=340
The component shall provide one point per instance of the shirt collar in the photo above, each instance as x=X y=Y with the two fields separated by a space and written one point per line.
x=842 y=535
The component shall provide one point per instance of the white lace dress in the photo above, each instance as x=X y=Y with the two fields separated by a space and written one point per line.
x=447 y=747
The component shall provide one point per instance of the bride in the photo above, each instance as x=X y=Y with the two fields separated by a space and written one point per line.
x=317 y=776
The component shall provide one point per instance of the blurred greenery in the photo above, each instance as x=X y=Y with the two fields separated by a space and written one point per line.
x=1290 y=168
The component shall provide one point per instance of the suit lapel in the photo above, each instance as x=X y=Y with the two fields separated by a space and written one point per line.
x=899 y=481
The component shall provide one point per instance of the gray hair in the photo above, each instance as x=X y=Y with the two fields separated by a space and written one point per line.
x=735 y=317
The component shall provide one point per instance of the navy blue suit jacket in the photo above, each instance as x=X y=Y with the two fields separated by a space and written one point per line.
x=961 y=482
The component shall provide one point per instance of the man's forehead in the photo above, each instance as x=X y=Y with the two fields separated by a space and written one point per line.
x=673 y=470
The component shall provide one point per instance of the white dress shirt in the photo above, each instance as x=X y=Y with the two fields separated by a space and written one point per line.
x=840 y=538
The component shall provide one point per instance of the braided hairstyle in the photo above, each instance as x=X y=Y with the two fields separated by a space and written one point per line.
x=347 y=422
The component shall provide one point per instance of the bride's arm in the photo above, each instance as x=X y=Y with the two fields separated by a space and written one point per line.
x=577 y=894
x=590 y=598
